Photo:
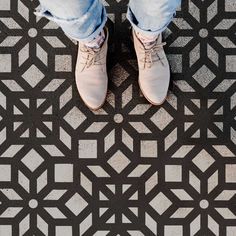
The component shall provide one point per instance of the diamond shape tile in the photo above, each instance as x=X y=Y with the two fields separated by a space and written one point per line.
x=160 y=203
x=204 y=76
x=203 y=160
x=161 y=118
x=118 y=161
x=33 y=76
x=76 y=204
x=32 y=160
x=74 y=117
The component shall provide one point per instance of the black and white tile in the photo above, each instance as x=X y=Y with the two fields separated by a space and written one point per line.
x=129 y=168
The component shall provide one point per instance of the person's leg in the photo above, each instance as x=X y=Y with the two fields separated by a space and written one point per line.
x=151 y=17
x=84 y=21
x=81 y=20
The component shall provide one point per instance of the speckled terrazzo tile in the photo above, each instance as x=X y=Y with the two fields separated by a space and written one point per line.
x=129 y=168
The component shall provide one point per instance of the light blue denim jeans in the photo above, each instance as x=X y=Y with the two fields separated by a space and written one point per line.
x=83 y=20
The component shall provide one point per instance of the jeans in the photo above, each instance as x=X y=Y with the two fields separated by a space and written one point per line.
x=83 y=20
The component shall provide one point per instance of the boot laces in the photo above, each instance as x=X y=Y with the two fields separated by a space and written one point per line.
x=152 y=55
x=91 y=56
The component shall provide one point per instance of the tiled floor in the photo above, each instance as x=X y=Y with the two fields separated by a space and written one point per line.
x=130 y=168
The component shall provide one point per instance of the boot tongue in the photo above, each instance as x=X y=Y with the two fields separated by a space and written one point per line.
x=96 y=49
x=147 y=41
x=149 y=45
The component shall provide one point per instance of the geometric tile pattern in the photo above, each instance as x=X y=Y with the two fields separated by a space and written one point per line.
x=129 y=168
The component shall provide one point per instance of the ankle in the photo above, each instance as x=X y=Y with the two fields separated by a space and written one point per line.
x=97 y=41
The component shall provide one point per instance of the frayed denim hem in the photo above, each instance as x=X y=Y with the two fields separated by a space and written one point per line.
x=131 y=18
x=43 y=12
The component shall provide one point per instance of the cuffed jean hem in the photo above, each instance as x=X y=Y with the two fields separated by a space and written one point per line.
x=43 y=12
x=130 y=17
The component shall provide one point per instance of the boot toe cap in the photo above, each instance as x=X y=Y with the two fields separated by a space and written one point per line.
x=155 y=97
x=93 y=104
x=92 y=95
x=155 y=93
